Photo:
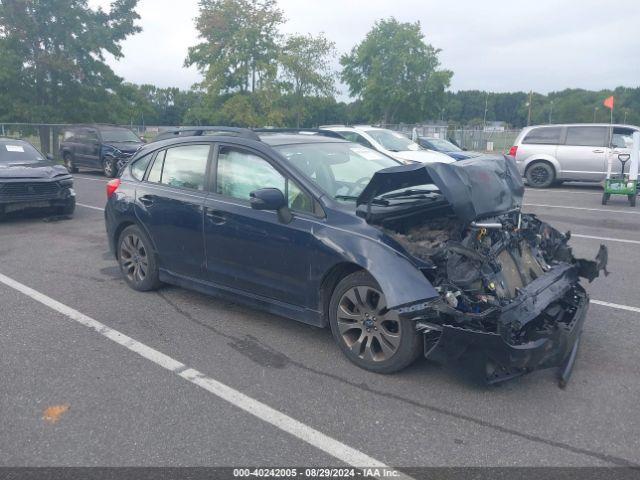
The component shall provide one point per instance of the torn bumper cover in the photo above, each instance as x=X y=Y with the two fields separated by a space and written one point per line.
x=494 y=356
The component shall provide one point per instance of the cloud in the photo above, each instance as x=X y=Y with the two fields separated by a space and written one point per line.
x=491 y=45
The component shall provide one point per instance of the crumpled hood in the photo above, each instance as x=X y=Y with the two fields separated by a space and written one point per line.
x=423 y=156
x=32 y=170
x=476 y=188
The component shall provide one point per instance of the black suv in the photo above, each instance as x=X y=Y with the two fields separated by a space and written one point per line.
x=103 y=147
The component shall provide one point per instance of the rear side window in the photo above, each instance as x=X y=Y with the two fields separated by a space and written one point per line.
x=140 y=166
x=587 y=136
x=185 y=167
x=544 y=136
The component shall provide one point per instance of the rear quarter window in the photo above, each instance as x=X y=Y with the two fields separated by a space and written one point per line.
x=543 y=136
x=139 y=167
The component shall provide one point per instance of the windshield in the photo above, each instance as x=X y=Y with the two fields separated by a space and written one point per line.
x=19 y=153
x=340 y=169
x=117 y=135
x=393 y=141
x=443 y=145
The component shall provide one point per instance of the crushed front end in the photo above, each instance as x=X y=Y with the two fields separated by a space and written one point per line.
x=509 y=296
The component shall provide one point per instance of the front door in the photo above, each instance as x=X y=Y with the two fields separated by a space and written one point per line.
x=584 y=153
x=170 y=204
x=252 y=250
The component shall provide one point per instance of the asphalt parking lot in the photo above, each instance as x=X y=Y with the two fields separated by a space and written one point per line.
x=271 y=392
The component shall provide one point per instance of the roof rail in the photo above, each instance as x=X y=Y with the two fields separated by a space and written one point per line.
x=303 y=131
x=198 y=131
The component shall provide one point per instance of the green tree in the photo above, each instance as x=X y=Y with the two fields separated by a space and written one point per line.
x=53 y=58
x=305 y=62
x=240 y=44
x=395 y=73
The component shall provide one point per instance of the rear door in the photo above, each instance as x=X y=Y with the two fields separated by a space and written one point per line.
x=584 y=153
x=252 y=250
x=169 y=203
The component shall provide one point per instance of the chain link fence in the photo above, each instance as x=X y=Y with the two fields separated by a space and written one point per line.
x=478 y=139
x=47 y=136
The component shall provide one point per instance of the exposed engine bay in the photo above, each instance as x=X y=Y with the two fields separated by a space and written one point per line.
x=482 y=271
x=510 y=300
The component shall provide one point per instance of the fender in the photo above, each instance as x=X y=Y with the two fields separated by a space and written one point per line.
x=402 y=283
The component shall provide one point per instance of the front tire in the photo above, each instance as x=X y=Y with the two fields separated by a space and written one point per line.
x=605 y=198
x=110 y=167
x=137 y=260
x=370 y=335
x=540 y=175
x=632 y=200
x=68 y=162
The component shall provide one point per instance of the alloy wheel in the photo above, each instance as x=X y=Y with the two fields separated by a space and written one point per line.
x=109 y=167
x=539 y=175
x=366 y=326
x=133 y=258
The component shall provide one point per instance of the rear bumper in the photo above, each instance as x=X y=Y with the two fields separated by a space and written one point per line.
x=492 y=359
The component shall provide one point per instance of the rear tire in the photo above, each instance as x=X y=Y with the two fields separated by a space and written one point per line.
x=632 y=200
x=137 y=260
x=540 y=175
x=68 y=162
x=371 y=336
x=605 y=198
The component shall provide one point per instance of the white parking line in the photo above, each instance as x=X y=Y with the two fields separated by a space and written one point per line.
x=616 y=305
x=553 y=190
x=329 y=445
x=606 y=239
x=89 y=206
x=580 y=208
x=103 y=180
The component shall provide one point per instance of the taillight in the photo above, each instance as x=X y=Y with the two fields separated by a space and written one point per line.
x=112 y=186
x=513 y=150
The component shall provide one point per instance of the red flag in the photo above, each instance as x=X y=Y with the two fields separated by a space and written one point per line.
x=608 y=102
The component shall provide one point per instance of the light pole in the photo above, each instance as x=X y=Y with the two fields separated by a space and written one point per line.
x=625 y=116
x=550 y=111
x=595 y=111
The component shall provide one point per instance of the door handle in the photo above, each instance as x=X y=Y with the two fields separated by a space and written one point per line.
x=146 y=200
x=216 y=217
x=598 y=151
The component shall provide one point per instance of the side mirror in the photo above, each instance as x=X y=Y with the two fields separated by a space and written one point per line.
x=271 y=199
x=143 y=140
x=50 y=157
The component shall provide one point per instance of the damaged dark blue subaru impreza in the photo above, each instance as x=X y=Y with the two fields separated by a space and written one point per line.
x=399 y=260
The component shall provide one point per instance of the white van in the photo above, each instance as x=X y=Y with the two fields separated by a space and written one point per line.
x=548 y=154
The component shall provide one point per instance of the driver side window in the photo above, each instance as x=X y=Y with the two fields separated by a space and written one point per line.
x=241 y=172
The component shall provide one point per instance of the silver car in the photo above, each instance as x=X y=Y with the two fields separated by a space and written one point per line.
x=548 y=154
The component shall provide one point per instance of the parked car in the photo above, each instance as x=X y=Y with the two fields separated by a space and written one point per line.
x=399 y=260
x=445 y=146
x=102 y=147
x=548 y=154
x=29 y=180
x=393 y=144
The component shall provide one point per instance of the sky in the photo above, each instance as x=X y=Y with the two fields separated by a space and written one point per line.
x=498 y=46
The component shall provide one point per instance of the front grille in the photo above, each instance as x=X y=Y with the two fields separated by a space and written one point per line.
x=28 y=191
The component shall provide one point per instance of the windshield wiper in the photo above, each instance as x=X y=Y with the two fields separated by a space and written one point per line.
x=345 y=197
